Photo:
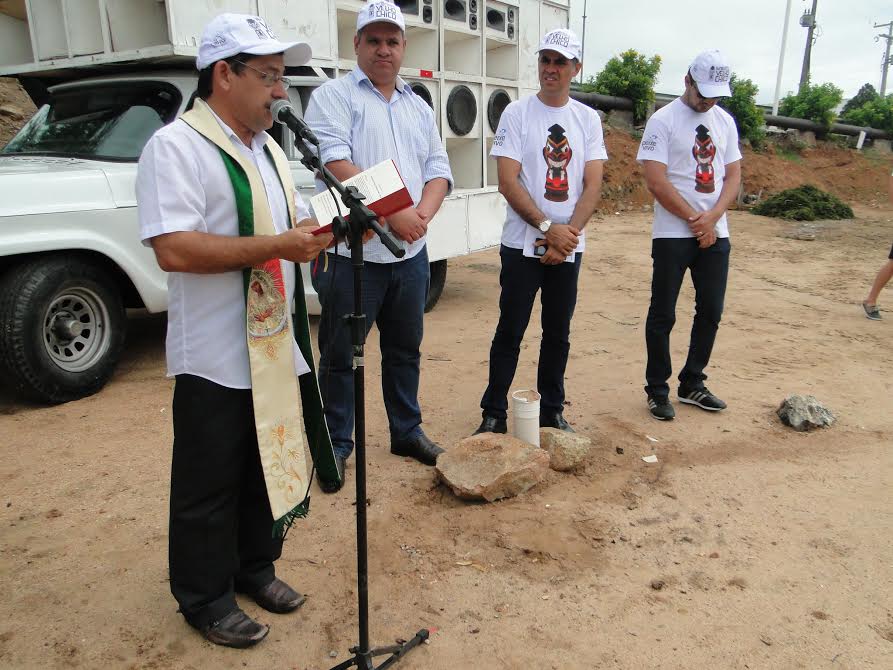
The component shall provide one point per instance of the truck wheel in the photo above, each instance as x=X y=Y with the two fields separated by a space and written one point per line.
x=62 y=327
x=435 y=286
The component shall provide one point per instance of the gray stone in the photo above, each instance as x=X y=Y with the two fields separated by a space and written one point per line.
x=566 y=450
x=804 y=413
x=808 y=138
x=491 y=466
x=11 y=111
x=620 y=118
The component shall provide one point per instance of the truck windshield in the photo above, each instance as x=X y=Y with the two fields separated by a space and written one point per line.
x=109 y=121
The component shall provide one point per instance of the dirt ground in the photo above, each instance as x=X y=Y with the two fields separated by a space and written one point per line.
x=746 y=546
x=772 y=548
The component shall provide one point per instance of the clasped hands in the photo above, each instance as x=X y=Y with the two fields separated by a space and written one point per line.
x=703 y=225
x=561 y=239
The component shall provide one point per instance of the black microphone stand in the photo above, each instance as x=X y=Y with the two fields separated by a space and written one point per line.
x=361 y=219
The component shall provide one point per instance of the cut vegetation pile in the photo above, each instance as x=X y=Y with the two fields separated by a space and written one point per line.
x=804 y=203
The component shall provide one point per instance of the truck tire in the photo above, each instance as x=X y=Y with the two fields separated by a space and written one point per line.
x=62 y=328
x=435 y=285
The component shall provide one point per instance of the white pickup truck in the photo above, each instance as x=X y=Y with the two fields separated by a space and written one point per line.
x=71 y=262
x=70 y=257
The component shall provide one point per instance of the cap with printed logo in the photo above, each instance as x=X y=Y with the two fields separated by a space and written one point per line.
x=563 y=41
x=711 y=72
x=380 y=10
x=230 y=34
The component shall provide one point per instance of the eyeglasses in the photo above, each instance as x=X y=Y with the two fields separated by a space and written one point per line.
x=698 y=93
x=269 y=79
x=559 y=61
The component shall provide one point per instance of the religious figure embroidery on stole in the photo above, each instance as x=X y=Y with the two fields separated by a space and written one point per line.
x=267 y=306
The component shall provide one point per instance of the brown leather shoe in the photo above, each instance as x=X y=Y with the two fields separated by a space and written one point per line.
x=278 y=597
x=236 y=629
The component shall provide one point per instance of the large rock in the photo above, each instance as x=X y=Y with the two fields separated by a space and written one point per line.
x=566 y=450
x=491 y=466
x=804 y=413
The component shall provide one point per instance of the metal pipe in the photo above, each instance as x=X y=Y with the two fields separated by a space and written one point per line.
x=603 y=102
x=836 y=128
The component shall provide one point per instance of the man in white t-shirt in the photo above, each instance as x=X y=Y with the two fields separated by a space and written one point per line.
x=193 y=189
x=692 y=166
x=549 y=153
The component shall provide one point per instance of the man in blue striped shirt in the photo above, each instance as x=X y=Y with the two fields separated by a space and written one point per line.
x=361 y=119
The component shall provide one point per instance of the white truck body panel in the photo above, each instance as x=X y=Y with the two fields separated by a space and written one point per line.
x=45 y=201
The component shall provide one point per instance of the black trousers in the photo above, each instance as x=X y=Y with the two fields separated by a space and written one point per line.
x=709 y=272
x=521 y=278
x=221 y=526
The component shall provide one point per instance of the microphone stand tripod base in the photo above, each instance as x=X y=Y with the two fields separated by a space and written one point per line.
x=364 y=661
x=361 y=219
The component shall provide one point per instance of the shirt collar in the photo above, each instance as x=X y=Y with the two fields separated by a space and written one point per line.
x=258 y=142
x=359 y=76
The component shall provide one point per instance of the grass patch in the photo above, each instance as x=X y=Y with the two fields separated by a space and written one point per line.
x=804 y=203
x=789 y=155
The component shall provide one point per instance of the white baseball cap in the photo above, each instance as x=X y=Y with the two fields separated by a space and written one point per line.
x=380 y=10
x=711 y=73
x=563 y=41
x=230 y=34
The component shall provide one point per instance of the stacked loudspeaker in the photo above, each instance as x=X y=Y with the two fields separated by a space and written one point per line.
x=468 y=59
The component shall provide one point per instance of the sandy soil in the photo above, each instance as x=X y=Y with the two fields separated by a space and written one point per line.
x=773 y=547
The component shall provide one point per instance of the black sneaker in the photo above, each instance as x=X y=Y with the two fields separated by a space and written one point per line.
x=660 y=407
x=702 y=398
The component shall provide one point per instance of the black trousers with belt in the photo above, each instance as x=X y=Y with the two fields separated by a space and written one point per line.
x=220 y=538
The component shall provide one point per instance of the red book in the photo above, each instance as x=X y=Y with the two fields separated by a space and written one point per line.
x=385 y=192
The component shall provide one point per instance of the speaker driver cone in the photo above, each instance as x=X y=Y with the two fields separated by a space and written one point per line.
x=462 y=110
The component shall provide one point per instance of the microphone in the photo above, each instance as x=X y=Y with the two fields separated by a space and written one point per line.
x=284 y=113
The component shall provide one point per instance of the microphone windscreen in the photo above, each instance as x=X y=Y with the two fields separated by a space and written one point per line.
x=279 y=106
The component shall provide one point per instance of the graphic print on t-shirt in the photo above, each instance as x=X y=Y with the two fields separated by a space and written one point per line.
x=557 y=154
x=704 y=152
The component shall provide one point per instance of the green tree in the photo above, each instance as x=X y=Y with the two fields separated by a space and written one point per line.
x=743 y=108
x=877 y=113
x=866 y=94
x=630 y=75
x=813 y=102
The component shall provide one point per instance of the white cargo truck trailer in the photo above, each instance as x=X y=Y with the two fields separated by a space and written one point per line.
x=106 y=74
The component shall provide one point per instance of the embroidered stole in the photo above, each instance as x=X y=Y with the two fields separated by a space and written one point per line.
x=278 y=404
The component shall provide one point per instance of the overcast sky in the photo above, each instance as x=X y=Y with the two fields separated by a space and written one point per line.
x=747 y=31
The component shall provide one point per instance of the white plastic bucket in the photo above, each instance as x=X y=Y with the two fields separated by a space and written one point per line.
x=526 y=413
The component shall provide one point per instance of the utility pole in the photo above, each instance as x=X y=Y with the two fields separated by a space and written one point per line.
x=889 y=38
x=784 y=41
x=807 y=21
x=584 y=39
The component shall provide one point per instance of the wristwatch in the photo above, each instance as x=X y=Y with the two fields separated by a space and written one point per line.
x=544 y=226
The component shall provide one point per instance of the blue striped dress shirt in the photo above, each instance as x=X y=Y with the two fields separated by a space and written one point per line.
x=354 y=122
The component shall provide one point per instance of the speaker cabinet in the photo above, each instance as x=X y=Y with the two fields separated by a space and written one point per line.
x=501 y=21
x=498 y=98
x=461 y=109
x=429 y=91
